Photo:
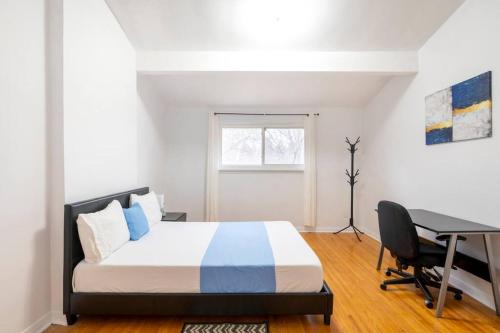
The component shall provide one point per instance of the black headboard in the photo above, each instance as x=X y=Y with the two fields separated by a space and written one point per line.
x=73 y=252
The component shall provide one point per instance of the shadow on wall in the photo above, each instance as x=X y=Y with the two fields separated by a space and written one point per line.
x=151 y=136
x=389 y=96
x=386 y=100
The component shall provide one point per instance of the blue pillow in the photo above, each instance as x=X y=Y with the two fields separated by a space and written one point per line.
x=136 y=221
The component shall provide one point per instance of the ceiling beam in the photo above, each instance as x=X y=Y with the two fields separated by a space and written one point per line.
x=377 y=62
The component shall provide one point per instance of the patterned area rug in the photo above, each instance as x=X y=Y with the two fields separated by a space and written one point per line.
x=225 y=328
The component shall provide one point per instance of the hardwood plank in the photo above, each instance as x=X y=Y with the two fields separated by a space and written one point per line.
x=359 y=305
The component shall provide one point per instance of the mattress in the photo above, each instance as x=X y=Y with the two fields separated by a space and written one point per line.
x=204 y=257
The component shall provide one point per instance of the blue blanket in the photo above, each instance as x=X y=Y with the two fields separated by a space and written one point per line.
x=239 y=259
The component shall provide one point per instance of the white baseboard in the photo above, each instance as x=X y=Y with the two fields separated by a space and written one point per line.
x=371 y=234
x=58 y=318
x=335 y=229
x=323 y=229
x=40 y=324
x=478 y=294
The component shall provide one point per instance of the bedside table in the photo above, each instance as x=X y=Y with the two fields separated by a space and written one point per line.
x=174 y=217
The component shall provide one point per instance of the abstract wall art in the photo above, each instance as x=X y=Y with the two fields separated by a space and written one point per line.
x=460 y=112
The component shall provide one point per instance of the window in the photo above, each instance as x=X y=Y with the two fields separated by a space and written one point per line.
x=284 y=146
x=262 y=148
x=241 y=146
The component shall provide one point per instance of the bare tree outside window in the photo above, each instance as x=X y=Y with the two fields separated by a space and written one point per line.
x=241 y=146
x=284 y=146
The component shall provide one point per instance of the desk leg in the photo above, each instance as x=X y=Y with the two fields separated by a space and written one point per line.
x=380 y=256
x=446 y=275
x=493 y=275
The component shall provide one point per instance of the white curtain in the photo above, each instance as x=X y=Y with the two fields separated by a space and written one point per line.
x=211 y=201
x=310 y=172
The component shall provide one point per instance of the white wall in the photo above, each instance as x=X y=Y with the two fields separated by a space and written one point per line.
x=261 y=196
x=25 y=273
x=97 y=115
x=185 y=135
x=258 y=195
x=100 y=102
x=55 y=145
x=150 y=135
x=461 y=178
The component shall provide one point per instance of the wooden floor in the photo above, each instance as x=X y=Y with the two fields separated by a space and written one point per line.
x=359 y=304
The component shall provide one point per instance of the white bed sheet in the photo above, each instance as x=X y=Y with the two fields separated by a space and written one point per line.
x=168 y=259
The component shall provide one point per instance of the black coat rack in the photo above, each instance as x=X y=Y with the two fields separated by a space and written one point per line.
x=351 y=181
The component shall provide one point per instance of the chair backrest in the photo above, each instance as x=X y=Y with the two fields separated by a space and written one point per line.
x=397 y=232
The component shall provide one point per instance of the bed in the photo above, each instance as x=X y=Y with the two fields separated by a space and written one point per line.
x=185 y=269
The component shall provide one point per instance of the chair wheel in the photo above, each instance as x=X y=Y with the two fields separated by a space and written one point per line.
x=429 y=304
x=416 y=285
x=388 y=273
x=383 y=286
x=458 y=297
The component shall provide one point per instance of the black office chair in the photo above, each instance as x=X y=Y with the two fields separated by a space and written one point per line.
x=398 y=234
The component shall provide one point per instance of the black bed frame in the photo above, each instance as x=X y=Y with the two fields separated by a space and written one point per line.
x=172 y=304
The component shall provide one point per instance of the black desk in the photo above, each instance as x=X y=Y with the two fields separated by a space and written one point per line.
x=444 y=224
x=447 y=225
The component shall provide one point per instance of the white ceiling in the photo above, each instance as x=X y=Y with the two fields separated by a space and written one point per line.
x=319 y=25
x=266 y=88
x=270 y=25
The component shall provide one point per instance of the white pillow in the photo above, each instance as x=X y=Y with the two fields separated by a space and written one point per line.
x=150 y=206
x=103 y=232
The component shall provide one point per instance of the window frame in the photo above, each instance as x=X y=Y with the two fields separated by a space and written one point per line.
x=263 y=166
